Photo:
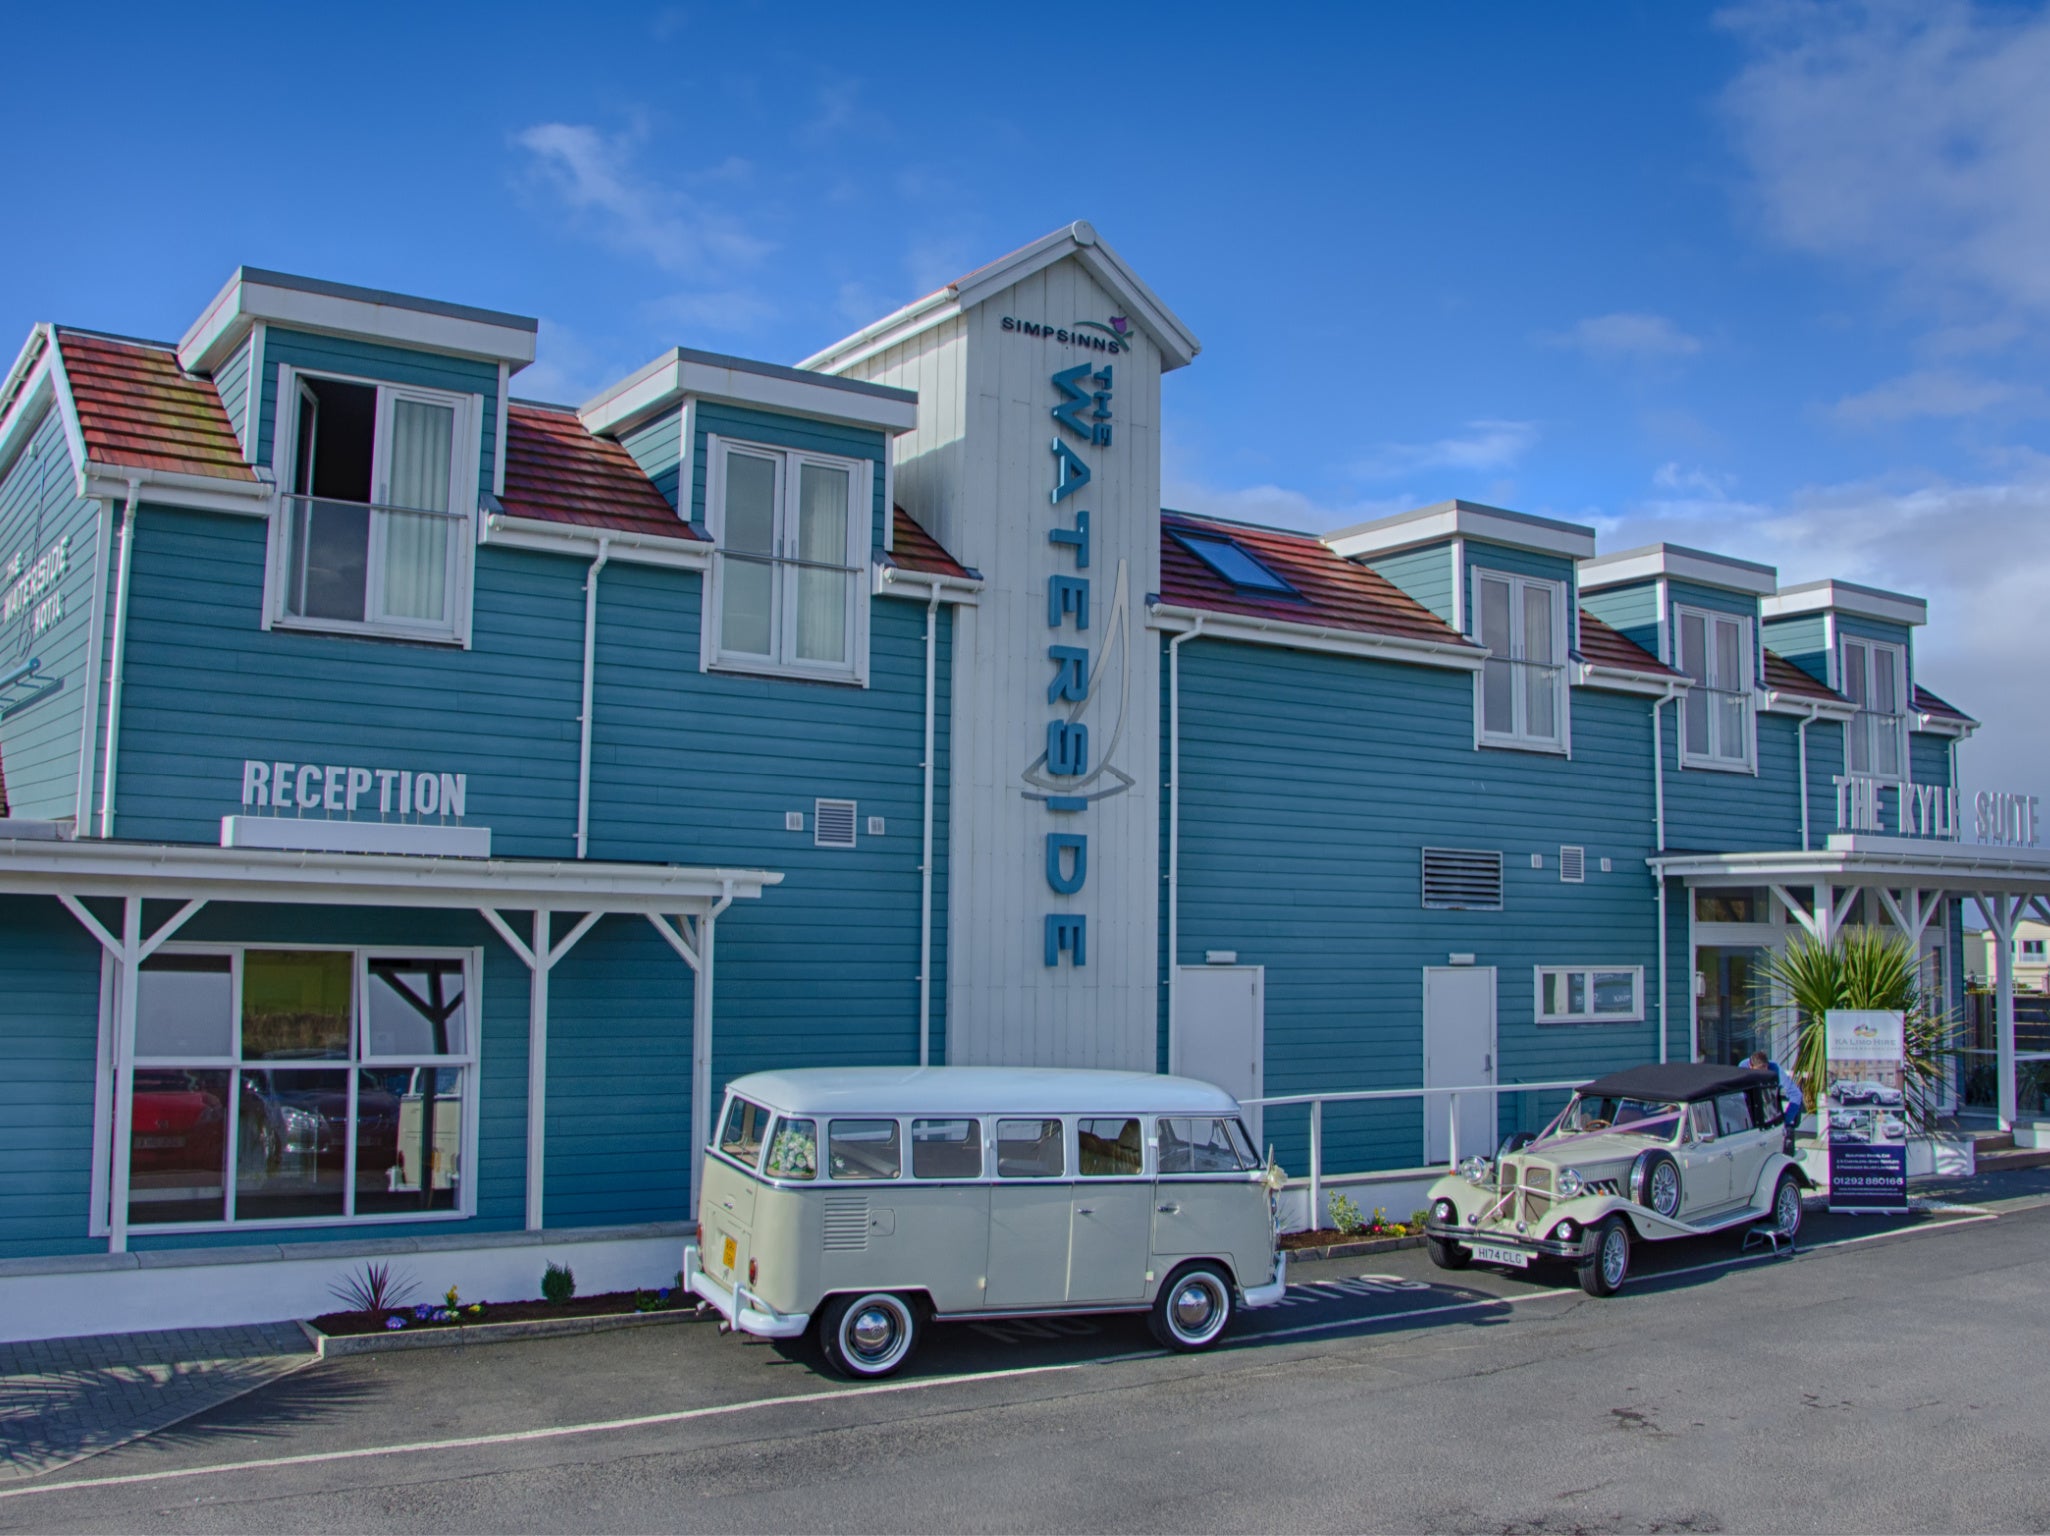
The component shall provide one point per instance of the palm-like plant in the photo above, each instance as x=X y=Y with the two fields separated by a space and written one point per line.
x=1860 y=968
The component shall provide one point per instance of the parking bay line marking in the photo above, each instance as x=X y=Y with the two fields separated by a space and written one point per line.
x=720 y=1410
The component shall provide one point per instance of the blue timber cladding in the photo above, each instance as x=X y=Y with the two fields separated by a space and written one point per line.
x=385 y=365
x=824 y=969
x=207 y=686
x=776 y=430
x=1632 y=611
x=1929 y=759
x=1424 y=574
x=48 y=1038
x=231 y=381
x=1713 y=811
x=1803 y=641
x=1310 y=785
x=49 y=552
x=657 y=446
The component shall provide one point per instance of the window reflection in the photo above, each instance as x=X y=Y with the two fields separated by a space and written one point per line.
x=409 y=1138
x=292 y=1161
x=415 y=1008
x=178 y=1146
x=296 y=1004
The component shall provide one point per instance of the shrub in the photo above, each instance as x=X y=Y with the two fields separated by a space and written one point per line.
x=1417 y=1220
x=558 y=1284
x=1345 y=1216
x=375 y=1289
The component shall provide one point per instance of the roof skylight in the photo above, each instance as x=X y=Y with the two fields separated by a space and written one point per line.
x=1233 y=563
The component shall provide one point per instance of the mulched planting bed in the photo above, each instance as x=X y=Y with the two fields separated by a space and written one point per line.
x=611 y=1304
x=1331 y=1237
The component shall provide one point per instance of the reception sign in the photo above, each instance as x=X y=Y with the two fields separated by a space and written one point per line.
x=1864 y=1106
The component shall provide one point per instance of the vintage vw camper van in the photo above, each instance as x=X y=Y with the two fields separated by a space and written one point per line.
x=864 y=1202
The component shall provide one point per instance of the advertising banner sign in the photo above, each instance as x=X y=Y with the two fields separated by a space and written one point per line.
x=1864 y=1107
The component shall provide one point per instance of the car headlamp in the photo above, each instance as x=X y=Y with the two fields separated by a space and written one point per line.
x=1446 y=1212
x=1477 y=1171
x=1571 y=1183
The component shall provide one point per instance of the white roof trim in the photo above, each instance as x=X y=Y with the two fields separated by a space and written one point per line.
x=24 y=418
x=1462 y=520
x=1861 y=859
x=1846 y=597
x=109 y=482
x=682 y=373
x=338 y=309
x=1944 y=725
x=89 y=867
x=581 y=542
x=920 y=586
x=1778 y=703
x=1174 y=619
x=1678 y=563
x=1588 y=674
x=1178 y=344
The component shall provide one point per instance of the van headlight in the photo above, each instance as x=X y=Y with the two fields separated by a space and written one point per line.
x=1477 y=1171
x=1571 y=1183
x=1445 y=1213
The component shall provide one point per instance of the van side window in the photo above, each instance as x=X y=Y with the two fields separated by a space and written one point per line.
x=863 y=1149
x=1029 y=1149
x=1203 y=1146
x=946 y=1149
x=1109 y=1149
x=745 y=1125
x=794 y=1150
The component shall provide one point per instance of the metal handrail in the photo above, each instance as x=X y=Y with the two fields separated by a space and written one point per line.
x=374 y=506
x=1317 y=1101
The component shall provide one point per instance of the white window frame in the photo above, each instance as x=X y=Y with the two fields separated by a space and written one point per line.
x=1588 y=973
x=360 y=1057
x=1742 y=687
x=1518 y=736
x=465 y=470
x=712 y=657
x=1866 y=722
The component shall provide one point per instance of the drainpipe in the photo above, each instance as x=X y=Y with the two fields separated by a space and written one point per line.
x=584 y=720
x=1174 y=828
x=1658 y=811
x=1801 y=741
x=120 y=656
x=932 y=619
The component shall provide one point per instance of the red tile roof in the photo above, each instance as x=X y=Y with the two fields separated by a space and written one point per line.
x=1605 y=647
x=1928 y=703
x=138 y=409
x=913 y=549
x=1330 y=593
x=1782 y=676
x=557 y=472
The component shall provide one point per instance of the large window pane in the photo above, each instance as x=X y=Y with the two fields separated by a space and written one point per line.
x=1855 y=688
x=794 y=1150
x=946 y=1149
x=1498 y=706
x=416 y=547
x=1537 y=624
x=1030 y=1149
x=746 y=606
x=415 y=1008
x=822 y=512
x=822 y=598
x=1541 y=702
x=185 y=1006
x=863 y=1149
x=296 y=1004
x=1615 y=992
x=409 y=1139
x=178 y=1141
x=422 y=452
x=1109 y=1149
x=1494 y=626
x=750 y=526
x=293 y=1160
x=330 y=559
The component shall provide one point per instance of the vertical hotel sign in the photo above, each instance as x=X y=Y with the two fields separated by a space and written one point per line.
x=1074 y=772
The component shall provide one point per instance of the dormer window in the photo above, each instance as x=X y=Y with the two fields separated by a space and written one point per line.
x=1715 y=720
x=376 y=520
x=1522 y=622
x=1875 y=679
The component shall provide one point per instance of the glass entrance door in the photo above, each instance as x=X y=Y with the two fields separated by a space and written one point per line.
x=1729 y=1024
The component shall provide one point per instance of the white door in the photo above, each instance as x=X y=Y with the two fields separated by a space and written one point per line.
x=1219 y=1030
x=1459 y=1051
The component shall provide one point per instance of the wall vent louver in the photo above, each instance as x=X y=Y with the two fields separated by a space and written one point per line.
x=1462 y=880
x=846 y=1220
x=1572 y=864
x=833 y=823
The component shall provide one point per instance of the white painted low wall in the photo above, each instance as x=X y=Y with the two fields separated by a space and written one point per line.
x=216 y=1287
x=1398 y=1192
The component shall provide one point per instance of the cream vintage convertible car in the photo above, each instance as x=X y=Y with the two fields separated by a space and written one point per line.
x=1675 y=1149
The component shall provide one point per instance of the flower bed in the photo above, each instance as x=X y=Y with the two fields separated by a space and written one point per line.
x=1333 y=1237
x=424 y=1319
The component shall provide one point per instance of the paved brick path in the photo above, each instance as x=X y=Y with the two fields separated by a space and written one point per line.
x=63 y=1399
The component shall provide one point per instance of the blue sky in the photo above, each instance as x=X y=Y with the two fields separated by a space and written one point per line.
x=1773 y=280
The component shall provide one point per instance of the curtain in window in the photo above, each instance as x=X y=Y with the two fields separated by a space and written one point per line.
x=416 y=547
x=822 y=580
x=1730 y=704
x=1498 y=709
x=748 y=544
x=1540 y=681
x=1694 y=704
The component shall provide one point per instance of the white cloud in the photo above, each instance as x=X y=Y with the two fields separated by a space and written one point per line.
x=592 y=175
x=734 y=311
x=1908 y=138
x=1939 y=392
x=1485 y=445
x=1625 y=336
x=1276 y=506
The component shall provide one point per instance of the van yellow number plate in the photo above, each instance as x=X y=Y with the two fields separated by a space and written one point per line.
x=728 y=1253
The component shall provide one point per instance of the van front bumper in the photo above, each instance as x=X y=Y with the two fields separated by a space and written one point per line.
x=743 y=1310
x=1575 y=1249
x=1270 y=1293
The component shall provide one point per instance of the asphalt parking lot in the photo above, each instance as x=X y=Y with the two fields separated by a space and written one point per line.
x=1875 y=1380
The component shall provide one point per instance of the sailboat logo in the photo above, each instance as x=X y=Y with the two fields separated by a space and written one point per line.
x=1106 y=778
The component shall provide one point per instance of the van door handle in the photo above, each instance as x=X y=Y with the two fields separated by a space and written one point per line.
x=1085 y=1210
x=1170 y=1210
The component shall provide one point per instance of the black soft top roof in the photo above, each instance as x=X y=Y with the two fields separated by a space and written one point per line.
x=1681 y=1081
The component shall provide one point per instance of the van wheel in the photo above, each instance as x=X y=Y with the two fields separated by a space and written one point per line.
x=1448 y=1255
x=1194 y=1308
x=1603 y=1271
x=868 y=1336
